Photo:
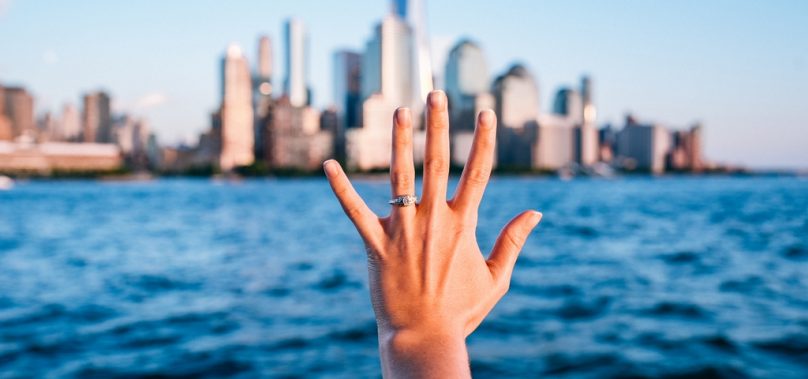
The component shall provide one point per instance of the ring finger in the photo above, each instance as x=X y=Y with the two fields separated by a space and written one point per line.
x=402 y=170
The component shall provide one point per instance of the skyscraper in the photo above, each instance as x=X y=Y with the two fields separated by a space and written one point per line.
x=264 y=70
x=685 y=150
x=295 y=138
x=586 y=139
x=347 y=97
x=568 y=104
x=517 y=105
x=123 y=132
x=696 y=154
x=96 y=118
x=296 y=48
x=236 y=111
x=47 y=128
x=387 y=63
x=369 y=147
x=643 y=146
x=590 y=113
x=387 y=83
x=517 y=96
x=6 y=130
x=262 y=82
x=262 y=93
x=70 y=123
x=141 y=136
x=467 y=78
x=414 y=13
x=554 y=145
x=19 y=110
x=396 y=72
x=347 y=87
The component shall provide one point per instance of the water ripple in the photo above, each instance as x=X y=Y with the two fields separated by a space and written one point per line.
x=632 y=278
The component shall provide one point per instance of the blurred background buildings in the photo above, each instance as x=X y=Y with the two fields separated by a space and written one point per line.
x=260 y=128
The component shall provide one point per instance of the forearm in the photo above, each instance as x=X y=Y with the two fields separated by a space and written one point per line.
x=412 y=354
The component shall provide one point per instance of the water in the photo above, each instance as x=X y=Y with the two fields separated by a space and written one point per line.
x=637 y=277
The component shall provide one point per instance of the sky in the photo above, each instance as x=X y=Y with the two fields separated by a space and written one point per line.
x=738 y=67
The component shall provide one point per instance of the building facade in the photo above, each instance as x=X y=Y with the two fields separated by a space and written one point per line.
x=643 y=147
x=236 y=112
x=296 y=47
x=296 y=141
x=97 y=118
x=467 y=81
x=586 y=133
x=17 y=112
x=347 y=87
x=517 y=106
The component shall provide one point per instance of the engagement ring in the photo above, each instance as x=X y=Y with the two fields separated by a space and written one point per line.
x=404 y=200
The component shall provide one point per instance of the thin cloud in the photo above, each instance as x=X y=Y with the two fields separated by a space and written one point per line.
x=151 y=100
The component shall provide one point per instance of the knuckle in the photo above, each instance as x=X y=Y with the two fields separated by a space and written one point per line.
x=466 y=220
x=402 y=180
x=513 y=241
x=478 y=176
x=353 y=212
x=403 y=138
x=343 y=193
x=340 y=190
x=437 y=166
x=439 y=124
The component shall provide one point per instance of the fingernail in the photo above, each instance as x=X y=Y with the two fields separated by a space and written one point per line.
x=437 y=99
x=403 y=116
x=331 y=168
x=535 y=217
x=487 y=119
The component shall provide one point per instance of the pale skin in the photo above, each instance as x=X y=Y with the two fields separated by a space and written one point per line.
x=430 y=284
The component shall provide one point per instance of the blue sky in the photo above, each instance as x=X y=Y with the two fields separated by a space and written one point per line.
x=740 y=67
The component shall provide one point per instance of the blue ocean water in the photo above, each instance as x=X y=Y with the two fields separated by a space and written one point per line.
x=633 y=277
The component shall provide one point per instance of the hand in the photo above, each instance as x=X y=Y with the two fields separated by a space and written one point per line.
x=429 y=283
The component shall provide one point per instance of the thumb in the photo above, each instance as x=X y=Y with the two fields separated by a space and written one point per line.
x=509 y=244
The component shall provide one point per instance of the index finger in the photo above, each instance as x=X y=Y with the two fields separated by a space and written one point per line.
x=366 y=222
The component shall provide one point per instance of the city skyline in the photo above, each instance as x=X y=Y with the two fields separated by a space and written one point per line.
x=732 y=136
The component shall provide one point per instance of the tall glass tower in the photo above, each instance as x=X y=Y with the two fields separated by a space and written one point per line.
x=414 y=13
x=517 y=94
x=467 y=78
x=387 y=63
x=262 y=82
x=237 y=138
x=296 y=43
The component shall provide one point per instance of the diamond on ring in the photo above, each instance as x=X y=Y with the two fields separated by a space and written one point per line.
x=404 y=200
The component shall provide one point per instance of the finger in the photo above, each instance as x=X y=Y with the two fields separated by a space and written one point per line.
x=436 y=158
x=366 y=222
x=402 y=171
x=509 y=244
x=478 y=167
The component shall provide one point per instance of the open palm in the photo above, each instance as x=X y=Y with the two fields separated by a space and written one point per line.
x=430 y=284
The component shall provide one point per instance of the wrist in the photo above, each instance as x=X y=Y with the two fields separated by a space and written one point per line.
x=409 y=339
x=434 y=352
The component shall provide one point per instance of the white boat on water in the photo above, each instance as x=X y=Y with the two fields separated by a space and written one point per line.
x=6 y=183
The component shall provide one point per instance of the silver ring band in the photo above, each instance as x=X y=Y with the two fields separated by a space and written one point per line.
x=403 y=200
